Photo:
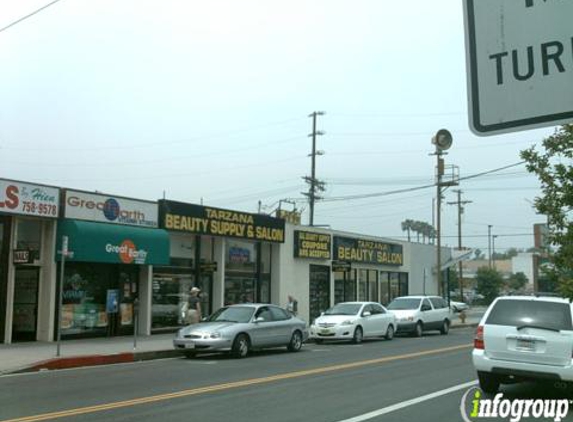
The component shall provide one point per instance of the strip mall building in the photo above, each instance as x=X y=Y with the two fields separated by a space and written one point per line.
x=131 y=263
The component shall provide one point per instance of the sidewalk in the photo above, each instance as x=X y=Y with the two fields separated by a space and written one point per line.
x=37 y=356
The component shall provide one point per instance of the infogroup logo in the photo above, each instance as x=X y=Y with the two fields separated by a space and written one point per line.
x=475 y=406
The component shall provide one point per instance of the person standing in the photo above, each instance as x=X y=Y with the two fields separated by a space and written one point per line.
x=194 y=306
x=292 y=305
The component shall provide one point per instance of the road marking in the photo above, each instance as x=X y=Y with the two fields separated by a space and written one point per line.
x=230 y=385
x=407 y=403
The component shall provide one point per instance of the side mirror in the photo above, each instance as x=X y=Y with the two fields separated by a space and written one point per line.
x=366 y=313
x=259 y=319
x=322 y=313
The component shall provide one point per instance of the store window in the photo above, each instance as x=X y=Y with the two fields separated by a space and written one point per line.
x=345 y=286
x=373 y=285
x=170 y=293
x=384 y=288
x=404 y=284
x=240 y=272
x=362 y=285
x=86 y=290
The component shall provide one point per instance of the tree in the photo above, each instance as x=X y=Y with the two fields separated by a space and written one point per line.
x=407 y=226
x=517 y=281
x=554 y=169
x=489 y=283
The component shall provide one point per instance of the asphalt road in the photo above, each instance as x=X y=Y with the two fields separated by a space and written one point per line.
x=407 y=379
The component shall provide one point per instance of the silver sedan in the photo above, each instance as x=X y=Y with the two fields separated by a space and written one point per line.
x=241 y=328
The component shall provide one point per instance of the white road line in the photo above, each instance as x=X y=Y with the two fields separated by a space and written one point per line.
x=408 y=403
x=320 y=350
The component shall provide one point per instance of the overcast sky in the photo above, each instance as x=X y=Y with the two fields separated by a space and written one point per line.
x=209 y=101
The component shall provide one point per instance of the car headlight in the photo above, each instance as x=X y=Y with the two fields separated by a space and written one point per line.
x=406 y=319
x=347 y=322
x=215 y=335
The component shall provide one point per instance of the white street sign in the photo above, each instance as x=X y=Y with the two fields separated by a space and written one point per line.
x=520 y=64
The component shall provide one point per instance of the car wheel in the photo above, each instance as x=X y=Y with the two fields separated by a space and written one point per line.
x=190 y=355
x=358 y=335
x=418 y=329
x=488 y=383
x=389 y=333
x=445 y=327
x=295 y=342
x=240 y=346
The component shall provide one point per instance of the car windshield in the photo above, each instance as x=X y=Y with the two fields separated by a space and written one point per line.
x=530 y=313
x=404 y=304
x=344 y=309
x=233 y=314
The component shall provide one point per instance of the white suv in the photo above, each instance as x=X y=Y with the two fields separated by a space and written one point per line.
x=521 y=338
x=415 y=314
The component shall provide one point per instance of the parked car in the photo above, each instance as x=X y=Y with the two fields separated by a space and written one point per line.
x=416 y=314
x=239 y=329
x=458 y=306
x=524 y=338
x=353 y=321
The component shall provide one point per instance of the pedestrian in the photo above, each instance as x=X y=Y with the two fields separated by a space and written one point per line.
x=194 y=306
x=292 y=305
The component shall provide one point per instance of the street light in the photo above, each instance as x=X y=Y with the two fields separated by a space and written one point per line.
x=443 y=141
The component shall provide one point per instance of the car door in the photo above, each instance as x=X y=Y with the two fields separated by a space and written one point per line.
x=382 y=318
x=426 y=313
x=282 y=325
x=441 y=311
x=368 y=321
x=262 y=331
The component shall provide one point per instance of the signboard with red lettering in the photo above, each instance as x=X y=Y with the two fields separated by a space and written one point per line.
x=28 y=199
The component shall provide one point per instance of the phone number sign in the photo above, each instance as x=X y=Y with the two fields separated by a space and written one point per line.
x=27 y=199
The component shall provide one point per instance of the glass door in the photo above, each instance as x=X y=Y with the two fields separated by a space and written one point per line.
x=25 y=314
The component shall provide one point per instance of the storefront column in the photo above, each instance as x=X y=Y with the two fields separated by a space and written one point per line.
x=278 y=297
x=145 y=296
x=219 y=275
x=47 y=291
x=10 y=286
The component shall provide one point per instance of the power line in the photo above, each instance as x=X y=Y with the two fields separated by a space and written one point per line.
x=378 y=194
x=28 y=15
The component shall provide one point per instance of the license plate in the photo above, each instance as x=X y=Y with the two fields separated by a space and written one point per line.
x=325 y=331
x=189 y=345
x=528 y=345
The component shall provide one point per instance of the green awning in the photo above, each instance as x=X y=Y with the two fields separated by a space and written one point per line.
x=113 y=243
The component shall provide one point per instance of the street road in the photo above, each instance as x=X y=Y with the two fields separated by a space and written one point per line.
x=407 y=379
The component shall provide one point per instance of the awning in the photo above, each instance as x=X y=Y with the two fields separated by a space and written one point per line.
x=111 y=243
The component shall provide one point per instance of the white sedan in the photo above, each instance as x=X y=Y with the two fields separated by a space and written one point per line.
x=354 y=321
x=458 y=306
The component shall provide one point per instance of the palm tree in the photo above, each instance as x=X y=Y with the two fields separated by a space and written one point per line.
x=407 y=226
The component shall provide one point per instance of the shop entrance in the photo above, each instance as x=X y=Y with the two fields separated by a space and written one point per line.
x=25 y=314
x=319 y=290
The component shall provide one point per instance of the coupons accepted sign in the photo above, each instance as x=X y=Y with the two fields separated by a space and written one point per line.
x=520 y=64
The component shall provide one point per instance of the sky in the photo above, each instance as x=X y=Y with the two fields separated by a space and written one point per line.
x=209 y=102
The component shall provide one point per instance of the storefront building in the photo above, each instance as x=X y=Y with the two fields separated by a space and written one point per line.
x=113 y=244
x=28 y=215
x=227 y=254
x=321 y=267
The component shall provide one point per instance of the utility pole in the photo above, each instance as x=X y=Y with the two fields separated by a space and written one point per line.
x=460 y=205
x=315 y=185
x=489 y=226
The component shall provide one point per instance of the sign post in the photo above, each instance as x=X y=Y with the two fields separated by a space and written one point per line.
x=519 y=56
x=64 y=252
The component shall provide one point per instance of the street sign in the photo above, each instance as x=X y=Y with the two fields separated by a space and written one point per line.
x=520 y=64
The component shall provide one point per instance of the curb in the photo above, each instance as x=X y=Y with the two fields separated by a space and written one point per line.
x=467 y=325
x=95 y=360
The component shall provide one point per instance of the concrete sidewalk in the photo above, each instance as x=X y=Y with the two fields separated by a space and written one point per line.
x=37 y=356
